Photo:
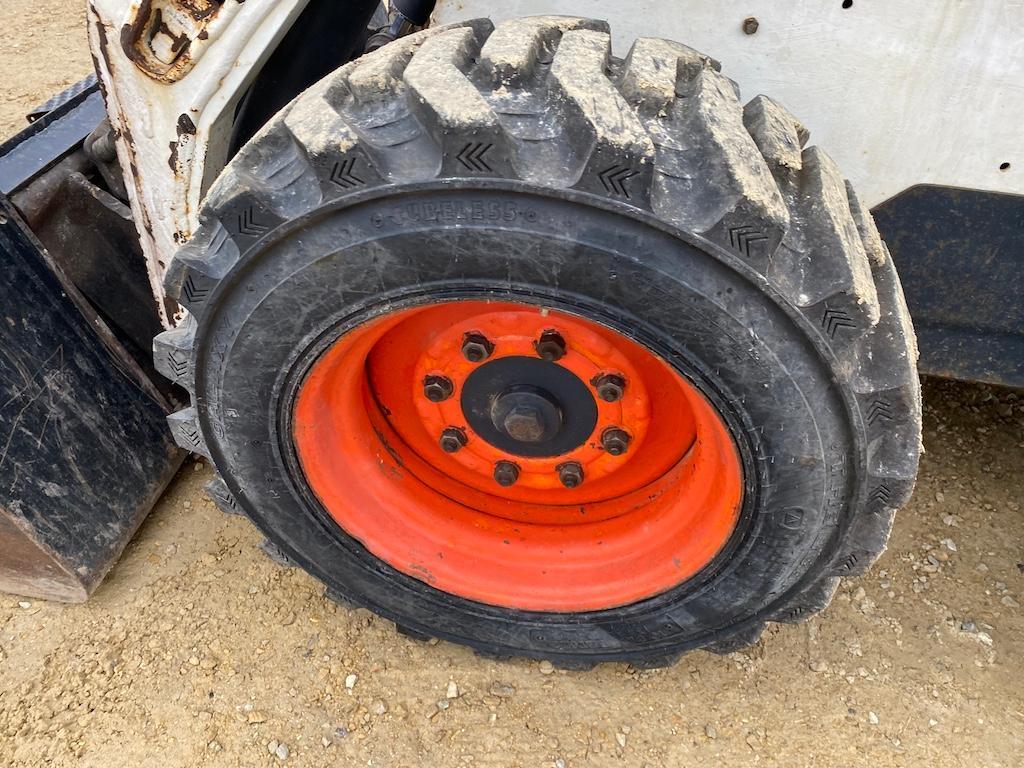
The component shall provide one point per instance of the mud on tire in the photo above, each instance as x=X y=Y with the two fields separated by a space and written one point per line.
x=527 y=163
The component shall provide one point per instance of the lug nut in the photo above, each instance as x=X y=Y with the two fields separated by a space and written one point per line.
x=550 y=346
x=505 y=473
x=452 y=439
x=570 y=473
x=609 y=387
x=476 y=348
x=615 y=441
x=437 y=388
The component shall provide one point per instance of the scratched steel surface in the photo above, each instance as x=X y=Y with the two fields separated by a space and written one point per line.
x=84 y=451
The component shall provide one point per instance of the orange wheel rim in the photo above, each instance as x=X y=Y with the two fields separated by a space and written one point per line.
x=517 y=456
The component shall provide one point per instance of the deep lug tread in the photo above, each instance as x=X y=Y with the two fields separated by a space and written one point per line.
x=217 y=490
x=339 y=599
x=413 y=634
x=271 y=550
x=737 y=641
x=172 y=353
x=185 y=430
x=542 y=100
x=621 y=157
x=808 y=602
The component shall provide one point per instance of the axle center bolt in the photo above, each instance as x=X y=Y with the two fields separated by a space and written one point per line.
x=437 y=388
x=609 y=386
x=526 y=414
x=550 y=346
x=476 y=348
x=615 y=441
x=570 y=473
x=505 y=473
x=452 y=439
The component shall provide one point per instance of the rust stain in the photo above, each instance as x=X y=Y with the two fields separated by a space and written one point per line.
x=177 y=25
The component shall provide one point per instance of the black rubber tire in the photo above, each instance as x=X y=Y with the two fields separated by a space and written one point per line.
x=638 y=192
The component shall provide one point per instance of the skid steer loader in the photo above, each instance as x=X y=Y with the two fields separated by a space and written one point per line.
x=514 y=323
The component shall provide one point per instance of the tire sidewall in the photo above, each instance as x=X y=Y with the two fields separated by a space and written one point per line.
x=716 y=321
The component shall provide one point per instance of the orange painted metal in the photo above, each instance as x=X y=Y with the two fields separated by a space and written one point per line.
x=640 y=524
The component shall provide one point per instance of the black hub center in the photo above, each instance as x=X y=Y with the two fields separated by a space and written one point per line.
x=527 y=406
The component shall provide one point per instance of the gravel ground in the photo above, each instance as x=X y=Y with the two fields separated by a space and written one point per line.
x=200 y=651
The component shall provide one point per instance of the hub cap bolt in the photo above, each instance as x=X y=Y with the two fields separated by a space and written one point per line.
x=476 y=348
x=609 y=387
x=452 y=439
x=437 y=388
x=570 y=473
x=615 y=441
x=550 y=346
x=505 y=473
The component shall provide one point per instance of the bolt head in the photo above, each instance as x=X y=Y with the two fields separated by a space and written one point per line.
x=610 y=387
x=550 y=346
x=476 y=348
x=615 y=441
x=452 y=439
x=437 y=389
x=570 y=474
x=505 y=473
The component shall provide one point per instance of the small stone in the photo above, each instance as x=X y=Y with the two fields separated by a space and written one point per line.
x=559 y=763
x=940 y=496
x=187 y=504
x=272 y=746
x=379 y=707
x=198 y=466
x=949 y=544
x=620 y=739
x=193 y=660
x=282 y=751
x=872 y=718
x=350 y=681
x=24 y=604
x=859 y=595
x=325 y=742
x=981 y=568
x=818 y=665
x=501 y=690
x=443 y=704
x=932 y=723
x=452 y=692
x=214 y=746
x=985 y=637
x=1009 y=602
x=546 y=667
x=968 y=626
x=710 y=732
x=949 y=520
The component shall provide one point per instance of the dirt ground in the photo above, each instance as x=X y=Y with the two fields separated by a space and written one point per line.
x=200 y=651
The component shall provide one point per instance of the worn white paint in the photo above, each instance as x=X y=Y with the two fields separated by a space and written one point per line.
x=240 y=38
x=899 y=92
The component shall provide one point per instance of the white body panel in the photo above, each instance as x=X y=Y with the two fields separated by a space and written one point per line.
x=900 y=93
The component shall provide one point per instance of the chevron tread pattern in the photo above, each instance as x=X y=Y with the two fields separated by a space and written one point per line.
x=544 y=101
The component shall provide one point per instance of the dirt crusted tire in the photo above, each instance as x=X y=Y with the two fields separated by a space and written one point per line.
x=524 y=169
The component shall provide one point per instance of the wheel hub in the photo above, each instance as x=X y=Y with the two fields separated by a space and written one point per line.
x=538 y=460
